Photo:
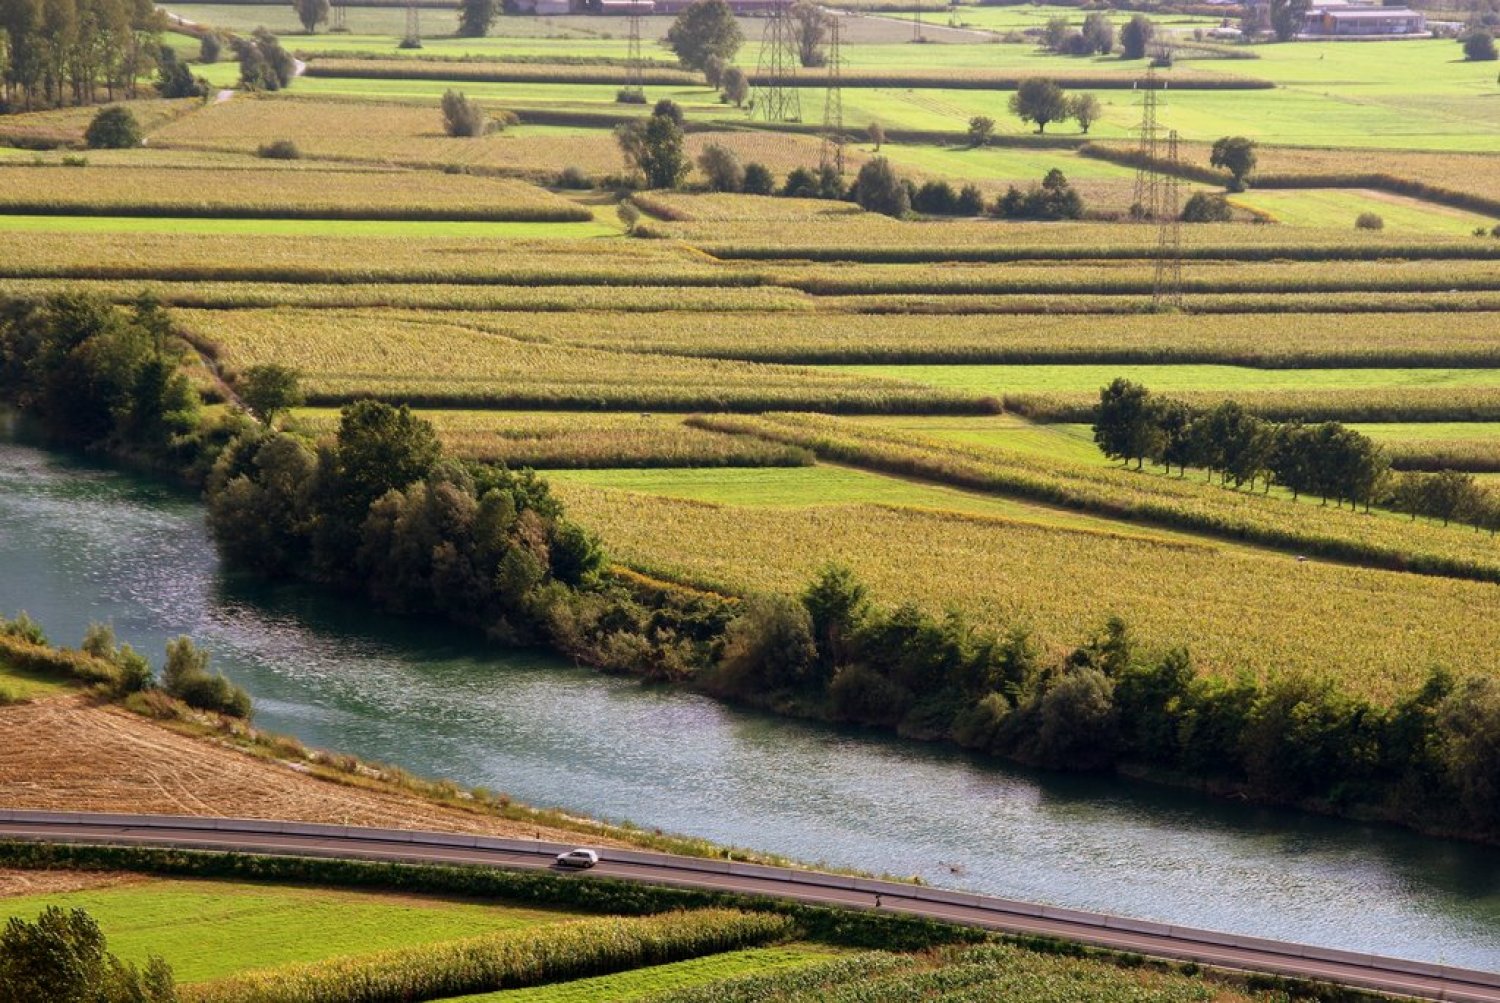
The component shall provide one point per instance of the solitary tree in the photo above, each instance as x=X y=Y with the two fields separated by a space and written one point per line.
x=1287 y=17
x=476 y=16
x=713 y=71
x=876 y=132
x=1136 y=36
x=655 y=148
x=878 y=189
x=981 y=130
x=736 y=86
x=1085 y=110
x=311 y=13
x=706 y=28
x=811 y=29
x=1235 y=154
x=758 y=180
x=1040 y=101
x=1479 y=45
x=114 y=128
x=269 y=389
x=722 y=168
x=1099 y=33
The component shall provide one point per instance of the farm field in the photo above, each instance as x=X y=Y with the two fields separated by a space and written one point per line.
x=209 y=929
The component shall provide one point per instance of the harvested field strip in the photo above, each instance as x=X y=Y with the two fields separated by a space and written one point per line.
x=211 y=929
x=1210 y=304
x=1119 y=278
x=999 y=253
x=347 y=355
x=318 y=259
x=427 y=297
x=1378 y=540
x=313 y=227
x=1313 y=340
x=1233 y=610
x=562 y=440
x=241 y=194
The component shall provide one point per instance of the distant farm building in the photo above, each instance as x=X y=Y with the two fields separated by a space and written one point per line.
x=1361 y=21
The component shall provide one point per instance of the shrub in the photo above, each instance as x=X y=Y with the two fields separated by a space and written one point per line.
x=281 y=149
x=801 y=183
x=877 y=189
x=1480 y=46
x=410 y=42
x=114 y=128
x=759 y=180
x=574 y=178
x=210 y=49
x=75 y=160
x=186 y=677
x=1369 y=221
x=461 y=116
x=1207 y=207
x=630 y=95
x=62 y=956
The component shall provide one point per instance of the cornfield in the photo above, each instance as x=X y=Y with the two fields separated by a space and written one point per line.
x=500 y=961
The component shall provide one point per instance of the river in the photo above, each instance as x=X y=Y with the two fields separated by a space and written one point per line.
x=80 y=544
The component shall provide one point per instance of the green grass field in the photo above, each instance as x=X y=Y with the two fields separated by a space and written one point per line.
x=209 y=929
x=1335 y=208
x=19 y=684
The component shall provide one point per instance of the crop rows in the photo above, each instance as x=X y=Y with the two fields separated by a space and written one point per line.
x=1313 y=340
x=1182 y=503
x=555 y=440
x=500 y=961
x=1137 y=277
x=445 y=260
x=45 y=130
x=1234 y=608
x=31 y=190
x=347 y=355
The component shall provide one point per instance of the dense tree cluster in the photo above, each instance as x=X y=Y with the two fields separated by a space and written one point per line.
x=1327 y=460
x=1056 y=198
x=264 y=64
x=835 y=653
x=101 y=377
x=706 y=29
x=654 y=146
x=55 y=52
x=379 y=510
x=1096 y=36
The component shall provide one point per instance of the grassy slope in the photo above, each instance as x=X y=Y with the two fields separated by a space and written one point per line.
x=19 y=684
x=208 y=929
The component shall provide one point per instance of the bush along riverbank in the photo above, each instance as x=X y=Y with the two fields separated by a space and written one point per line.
x=378 y=510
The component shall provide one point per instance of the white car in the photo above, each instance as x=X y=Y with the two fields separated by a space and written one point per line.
x=577 y=858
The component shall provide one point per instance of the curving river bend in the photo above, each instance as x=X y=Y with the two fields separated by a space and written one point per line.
x=78 y=544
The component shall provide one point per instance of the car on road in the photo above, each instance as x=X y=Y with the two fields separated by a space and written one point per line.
x=579 y=858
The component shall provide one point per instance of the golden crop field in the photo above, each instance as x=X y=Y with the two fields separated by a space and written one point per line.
x=412 y=134
x=562 y=439
x=350 y=354
x=66 y=125
x=528 y=299
x=122 y=190
x=276 y=257
x=1262 y=612
x=1239 y=339
x=1150 y=496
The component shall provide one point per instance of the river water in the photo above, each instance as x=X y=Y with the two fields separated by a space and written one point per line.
x=79 y=544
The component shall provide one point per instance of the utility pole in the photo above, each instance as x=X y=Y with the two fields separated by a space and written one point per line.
x=833 y=102
x=635 y=76
x=1166 y=289
x=776 y=98
x=1145 y=202
x=413 y=38
x=340 y=23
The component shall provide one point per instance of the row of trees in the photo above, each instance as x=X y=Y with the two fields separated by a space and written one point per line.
x=1433 y=756
x=1097 y=35
x=56 y=52
x=1325 y=459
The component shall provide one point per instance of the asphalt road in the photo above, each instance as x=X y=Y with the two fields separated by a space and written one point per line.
x=1391 y=975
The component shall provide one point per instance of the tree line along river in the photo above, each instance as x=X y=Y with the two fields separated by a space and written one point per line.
x=81 y=544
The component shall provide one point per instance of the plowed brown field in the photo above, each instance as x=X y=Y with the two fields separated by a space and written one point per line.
x=70 y=754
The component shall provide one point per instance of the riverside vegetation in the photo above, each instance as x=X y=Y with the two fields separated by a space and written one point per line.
x=379 y=509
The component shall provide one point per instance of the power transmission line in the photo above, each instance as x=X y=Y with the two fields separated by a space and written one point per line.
x=635 y=76
x=776 y=98
x=833 y=102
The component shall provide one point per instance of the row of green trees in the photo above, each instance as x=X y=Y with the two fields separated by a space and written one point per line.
x=1324 y=459
x=55 y=52
x=1432 y=758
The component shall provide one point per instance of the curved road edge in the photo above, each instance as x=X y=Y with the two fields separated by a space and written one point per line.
x=1368 y=971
